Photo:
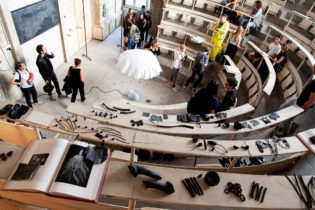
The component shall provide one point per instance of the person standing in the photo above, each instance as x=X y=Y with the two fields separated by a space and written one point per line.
x=220 y=29
x=24 y=79
x=148 y=19
x=235 y=42
x=75 y=76
x=46 y=69
x=134 y=35
x=201 y=61
x=179 y=58
x=140 y=12
x=229 y=99
x=141 y=23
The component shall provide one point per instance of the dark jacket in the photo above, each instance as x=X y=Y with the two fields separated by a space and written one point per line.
x=44 y=65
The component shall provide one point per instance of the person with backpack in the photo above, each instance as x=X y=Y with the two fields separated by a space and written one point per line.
x=201 y=61
x=134 y=35
x=23 y=78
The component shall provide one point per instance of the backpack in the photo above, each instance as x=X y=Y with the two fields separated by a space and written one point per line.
x=19 y=80
x=137 y=38
x=200 y=63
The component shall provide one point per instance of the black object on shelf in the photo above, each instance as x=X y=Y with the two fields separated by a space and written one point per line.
x=166 y=187
x=212 y=178
x=135 y=170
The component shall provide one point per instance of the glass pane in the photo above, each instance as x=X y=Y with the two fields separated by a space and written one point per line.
x=129 y=2
x=139 y=3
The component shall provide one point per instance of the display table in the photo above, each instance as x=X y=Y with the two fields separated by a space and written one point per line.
x=279 y=195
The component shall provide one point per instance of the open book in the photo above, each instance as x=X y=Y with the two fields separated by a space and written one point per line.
x=61 y=168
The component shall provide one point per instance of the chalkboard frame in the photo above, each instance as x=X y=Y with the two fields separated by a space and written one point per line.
x=34 y=19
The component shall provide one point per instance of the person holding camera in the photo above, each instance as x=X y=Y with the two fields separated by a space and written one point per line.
x=23 y=78
x=179 y=58
x=201 y=61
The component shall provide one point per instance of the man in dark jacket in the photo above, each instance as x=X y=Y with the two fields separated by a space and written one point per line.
x=46 y=69
x=201 y=61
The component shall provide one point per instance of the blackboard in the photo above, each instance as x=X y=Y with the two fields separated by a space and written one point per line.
x=34 y=19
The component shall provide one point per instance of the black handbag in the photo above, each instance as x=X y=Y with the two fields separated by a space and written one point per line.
x=48 y=88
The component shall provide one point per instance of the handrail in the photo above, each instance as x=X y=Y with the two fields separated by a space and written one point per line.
x=271 y=81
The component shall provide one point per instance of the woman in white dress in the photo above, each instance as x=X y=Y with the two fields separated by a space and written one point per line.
x=138 y=63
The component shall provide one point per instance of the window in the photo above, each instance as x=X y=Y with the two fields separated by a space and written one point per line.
x=138 y=3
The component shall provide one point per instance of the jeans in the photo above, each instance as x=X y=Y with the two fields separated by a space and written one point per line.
x=131 y=43
x=249 y=26
x=27 y=92
x=243 y=21
x=200 y=75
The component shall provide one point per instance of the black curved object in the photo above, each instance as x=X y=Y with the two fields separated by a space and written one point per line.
x=166 y=187
x=135 y=170
x=212 y=178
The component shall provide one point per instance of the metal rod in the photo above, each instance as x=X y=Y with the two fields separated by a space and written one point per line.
x=86 y=50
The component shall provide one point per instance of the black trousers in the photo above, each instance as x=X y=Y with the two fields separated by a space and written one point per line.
x=27 y=92
x=200 y=75
x=75 y=89
x=54 y=79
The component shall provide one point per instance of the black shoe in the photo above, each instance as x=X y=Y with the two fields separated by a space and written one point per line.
x=6 y=109
x=82 y=99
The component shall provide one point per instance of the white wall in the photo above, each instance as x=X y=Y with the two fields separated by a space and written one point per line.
x=17 y=4
x=51 y=39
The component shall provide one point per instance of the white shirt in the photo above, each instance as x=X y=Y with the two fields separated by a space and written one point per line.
x=273 y=49
x=257 y=18
x=24 y=77
x=178 y=57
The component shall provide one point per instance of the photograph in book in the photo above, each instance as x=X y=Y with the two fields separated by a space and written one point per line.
x=74 y=170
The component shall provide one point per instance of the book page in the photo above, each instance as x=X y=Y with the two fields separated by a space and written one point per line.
x=38 y=165
x=79 y=178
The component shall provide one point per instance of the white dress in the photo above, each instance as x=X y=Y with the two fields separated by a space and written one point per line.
x=140 y=64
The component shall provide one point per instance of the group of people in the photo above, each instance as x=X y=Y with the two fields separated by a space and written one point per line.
x=206 y=101
x=221 y=28
x=24 y=77
x=136 y=27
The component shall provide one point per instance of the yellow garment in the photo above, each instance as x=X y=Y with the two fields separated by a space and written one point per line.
x=217 y=38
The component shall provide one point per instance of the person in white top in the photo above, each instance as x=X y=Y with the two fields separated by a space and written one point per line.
x=273 y=50
x=24 y=79
x=179 y=58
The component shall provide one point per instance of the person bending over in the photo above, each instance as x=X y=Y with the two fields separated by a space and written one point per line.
x=205 y=101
